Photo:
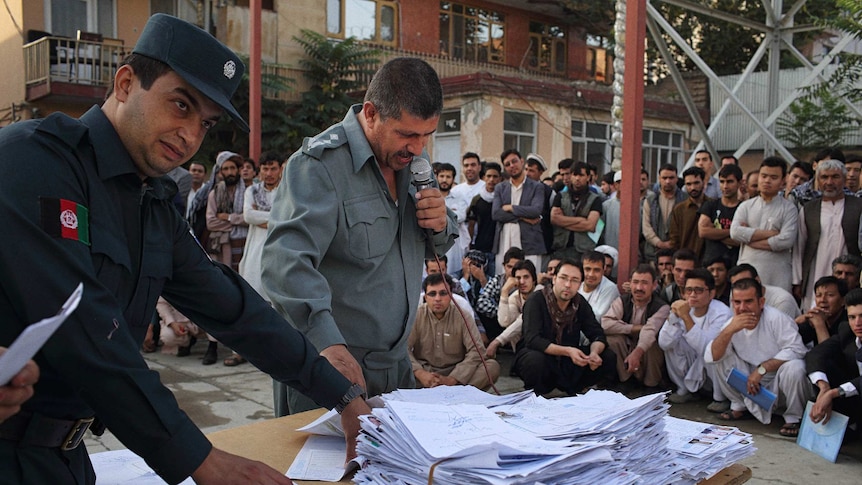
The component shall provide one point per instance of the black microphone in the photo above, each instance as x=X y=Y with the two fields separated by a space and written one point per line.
x=422 y=177
x=422 y=174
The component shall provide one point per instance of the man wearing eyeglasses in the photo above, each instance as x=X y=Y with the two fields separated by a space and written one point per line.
x=445 y=346
x=552 y=356
x=693 y=321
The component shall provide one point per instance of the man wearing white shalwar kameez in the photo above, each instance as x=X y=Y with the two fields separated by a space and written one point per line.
x=256 y=206
x=693 y=322
x=764 y=344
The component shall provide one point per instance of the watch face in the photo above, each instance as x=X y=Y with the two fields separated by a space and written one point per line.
x=761 y=370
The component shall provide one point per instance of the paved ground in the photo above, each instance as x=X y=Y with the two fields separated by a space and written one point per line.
x=218 y=397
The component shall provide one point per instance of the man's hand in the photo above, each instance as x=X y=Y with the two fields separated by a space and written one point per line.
x=822 y=408
x=626 y=287
x=507 y=207
x=817 y=318
x=532 y=221
x=680 y=308
x=340 y=358
x=448 y=380
x=220 y=467
x=579 y=358
x=18 y=390
x=178 y=328
x=594 y=361
x=510 y=284
x=223 y=216
x=491 y=349
x=431 y=210
x=754 y=382
x=665 y=245
x=350 y=424
x=633 y=361
x=743 y=321
x=427 y=379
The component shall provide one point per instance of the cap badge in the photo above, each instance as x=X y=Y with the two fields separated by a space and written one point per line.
x=229 y=69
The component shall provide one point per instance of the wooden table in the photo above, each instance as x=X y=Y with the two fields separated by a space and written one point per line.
x=276 y=443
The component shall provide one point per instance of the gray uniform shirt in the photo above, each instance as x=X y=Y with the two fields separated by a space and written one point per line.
x=342 y=261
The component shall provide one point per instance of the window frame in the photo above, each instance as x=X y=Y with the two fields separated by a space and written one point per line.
x=555 y=43
x=378 y=9
x=655 y=155
x=493 y=56
x=521 y=135
x=93 y=21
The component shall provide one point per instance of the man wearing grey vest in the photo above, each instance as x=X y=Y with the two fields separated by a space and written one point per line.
x=575 y=215
x=655 y=217
x=832 y=214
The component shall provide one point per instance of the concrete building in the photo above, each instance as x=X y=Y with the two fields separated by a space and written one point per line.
x=515 y=74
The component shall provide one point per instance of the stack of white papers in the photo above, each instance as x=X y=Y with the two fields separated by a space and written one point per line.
x=701 y=450
x=601 y=436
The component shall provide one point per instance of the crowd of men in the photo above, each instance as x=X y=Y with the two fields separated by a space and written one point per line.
x=736 y=272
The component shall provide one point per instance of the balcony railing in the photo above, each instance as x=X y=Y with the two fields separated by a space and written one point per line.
x=72 y=62
x=444 y=65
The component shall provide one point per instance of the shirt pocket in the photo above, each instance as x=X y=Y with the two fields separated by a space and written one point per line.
x=452 y=344
x=110 y=258
x=368 y=229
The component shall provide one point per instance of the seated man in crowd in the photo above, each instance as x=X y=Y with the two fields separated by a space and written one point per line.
x=835 y=362
x=847 y=267
x=683 y=260
x=597 y=289
x=432 y=266
x=552 y=356
x=664 y=265
x=445 y=346
x=178 y=333
x=764 y=344
x=821 y=321
x=719 y=267
x=776 y=297
x=692 y=323
x=489 y=297
x=631 y=327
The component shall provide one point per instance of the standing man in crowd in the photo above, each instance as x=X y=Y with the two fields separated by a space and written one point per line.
x=348 y=228
x=766 y=227
x=716 y=215
x=575 y=215
x=227 y=227
x=655 y=219
x=711 y=184
x=684 y=217
x=463 y=193
x=481 y=223
x=94 y=207
x=198 y=172
x=518 y=205
x=828 y=228
x=257 y=204
x=445 y=173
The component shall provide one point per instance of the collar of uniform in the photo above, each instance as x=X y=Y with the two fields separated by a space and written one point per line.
x=112 y=159
x=360 y=150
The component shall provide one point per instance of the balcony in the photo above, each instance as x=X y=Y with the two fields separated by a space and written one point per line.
x=71 y=70
x=446 y=67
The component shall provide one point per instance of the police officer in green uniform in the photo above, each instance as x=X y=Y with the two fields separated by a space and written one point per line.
x=349 y=234
x=85 y=200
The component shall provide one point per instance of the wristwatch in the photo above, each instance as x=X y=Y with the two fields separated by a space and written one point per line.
x=352 y=393
x=841 y=391
x=761 y=370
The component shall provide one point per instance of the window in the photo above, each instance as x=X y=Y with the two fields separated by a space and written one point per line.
x=193 y=11
x=519 y=131
x=471 y=33
x=660 y=147
x=547 y=48
x=368 y=20
x=597 y=57
x=67 y=17
x=591 y=143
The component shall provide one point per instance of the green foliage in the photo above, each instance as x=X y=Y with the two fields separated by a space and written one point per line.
x=815 y=122
x=846 y=81
x=337 y=70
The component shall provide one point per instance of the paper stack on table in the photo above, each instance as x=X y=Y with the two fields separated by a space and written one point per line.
x=600 y=436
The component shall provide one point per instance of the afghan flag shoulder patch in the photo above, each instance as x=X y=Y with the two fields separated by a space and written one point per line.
x=65 y=219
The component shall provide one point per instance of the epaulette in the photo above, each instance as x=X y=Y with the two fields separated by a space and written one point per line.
x=66 y=129
x=329 y=139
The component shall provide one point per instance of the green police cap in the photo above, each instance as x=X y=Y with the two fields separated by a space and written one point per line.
x=196 y=56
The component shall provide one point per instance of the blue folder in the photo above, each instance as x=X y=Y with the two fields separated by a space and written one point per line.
x=739 y=381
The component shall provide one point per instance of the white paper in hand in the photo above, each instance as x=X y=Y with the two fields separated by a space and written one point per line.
x=34 y=337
